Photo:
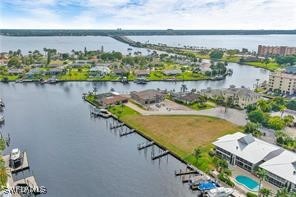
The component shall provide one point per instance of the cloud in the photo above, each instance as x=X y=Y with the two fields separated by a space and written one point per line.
x=149 y=14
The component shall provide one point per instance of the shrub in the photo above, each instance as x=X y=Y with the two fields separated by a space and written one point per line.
x=250 y=194
x=224 y=178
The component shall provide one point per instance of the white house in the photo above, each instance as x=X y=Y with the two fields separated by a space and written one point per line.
x=249 y=153
x=99 y=70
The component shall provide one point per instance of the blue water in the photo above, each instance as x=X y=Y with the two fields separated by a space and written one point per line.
x=248 y=183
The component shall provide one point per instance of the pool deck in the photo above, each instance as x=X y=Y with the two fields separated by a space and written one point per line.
x=236 y=171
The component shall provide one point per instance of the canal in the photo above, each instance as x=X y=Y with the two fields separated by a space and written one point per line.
x=72 y=154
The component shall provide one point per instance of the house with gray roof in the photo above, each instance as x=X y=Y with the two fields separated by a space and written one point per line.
x=250 y=153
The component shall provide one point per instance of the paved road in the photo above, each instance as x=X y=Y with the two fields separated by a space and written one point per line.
x=232 y=115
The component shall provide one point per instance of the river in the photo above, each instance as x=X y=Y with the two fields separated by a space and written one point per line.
x=249 y=42
x=67 y=43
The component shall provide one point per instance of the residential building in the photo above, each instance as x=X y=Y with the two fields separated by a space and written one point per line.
x=186 y=97
x=241 y=97
x=147 y=96
x=80 y=63
x=34 y=72
x=205 y=67
x=55 y=71
x=107 y=99
x=142 y=73
x=172 y=72
x=113 y=100
x=249 y=153
x=275 y=50
x=15 y=71
x=120 y=72
x=283 y=81
x=99 y=71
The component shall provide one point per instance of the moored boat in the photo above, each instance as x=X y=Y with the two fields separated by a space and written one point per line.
x=219 y=192
x=16 y=158
x=141 y=80
x=2 y=103
x=2 y=119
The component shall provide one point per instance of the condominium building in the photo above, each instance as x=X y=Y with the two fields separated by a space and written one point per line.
x=283 y=81
x=275 y=50
x=249 y=153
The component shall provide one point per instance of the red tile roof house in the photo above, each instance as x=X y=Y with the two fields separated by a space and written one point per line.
x=112 y=100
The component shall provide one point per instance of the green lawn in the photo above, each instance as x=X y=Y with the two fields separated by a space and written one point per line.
x=75 y=75
x=270 y=66
x=199 y=106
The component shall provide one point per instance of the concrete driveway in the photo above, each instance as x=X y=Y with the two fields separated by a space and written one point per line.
x=238 y=117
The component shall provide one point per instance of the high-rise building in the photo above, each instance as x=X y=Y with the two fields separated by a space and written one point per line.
x=284 y=82
x=275 y=50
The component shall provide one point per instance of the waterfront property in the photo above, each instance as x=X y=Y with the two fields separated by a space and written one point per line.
x=107 y=99
x=99 y=70
x=186 y=97
x=283 y=81
x=240 y=97
x=147 y=97
x=142 y=73
x=249 y=153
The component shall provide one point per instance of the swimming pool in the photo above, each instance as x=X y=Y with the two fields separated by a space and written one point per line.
x=247 y=182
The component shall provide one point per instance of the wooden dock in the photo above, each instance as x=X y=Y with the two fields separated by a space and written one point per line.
x=24 y=166
x=124 y=133
x=29 y=182
x=116 y=126
x=164 y=153
x=186 y=178
x=185 y=172
x=145 y=145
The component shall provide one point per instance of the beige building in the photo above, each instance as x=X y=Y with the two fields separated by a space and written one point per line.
x=275 y=50
x=283 y=82
x=241 y=97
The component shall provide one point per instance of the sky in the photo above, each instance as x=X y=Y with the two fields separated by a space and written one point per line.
x=148 y=14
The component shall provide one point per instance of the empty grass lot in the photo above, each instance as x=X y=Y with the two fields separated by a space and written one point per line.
x=179 y=134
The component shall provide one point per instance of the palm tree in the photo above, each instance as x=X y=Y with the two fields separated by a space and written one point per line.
x=3 y=174
x=282 y=109
x=282 y=192
x=183 y=88
x=262 y=174
x=265 y=192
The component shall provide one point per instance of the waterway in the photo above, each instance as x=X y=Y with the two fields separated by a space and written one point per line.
x=249 y=42
x=67 y=43
x=73 y=154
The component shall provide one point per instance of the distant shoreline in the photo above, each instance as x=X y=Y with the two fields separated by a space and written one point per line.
x=169 y=32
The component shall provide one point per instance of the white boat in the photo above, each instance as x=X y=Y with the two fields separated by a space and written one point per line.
x=1 y=103
x=16 y=158
x=220 y=192
x=2 y=119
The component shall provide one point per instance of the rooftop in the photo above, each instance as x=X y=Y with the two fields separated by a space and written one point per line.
x=283 y=165
x=245 y=146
